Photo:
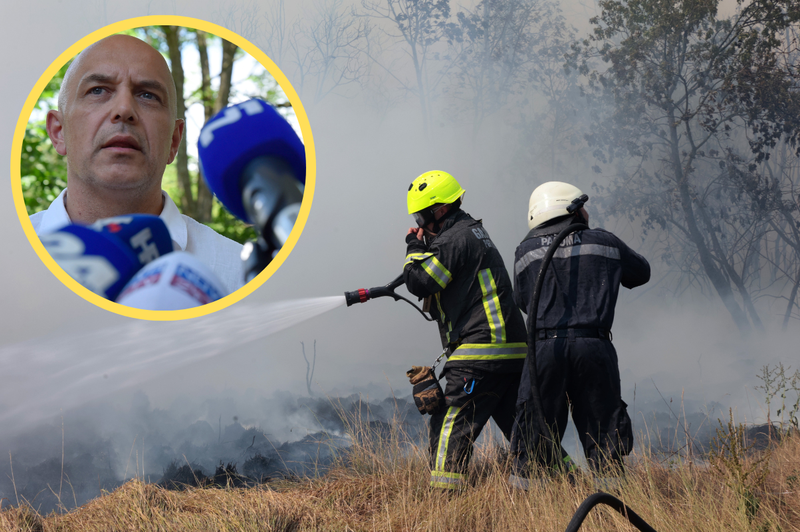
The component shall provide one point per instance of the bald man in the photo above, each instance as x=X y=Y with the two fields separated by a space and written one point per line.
x=117 y=125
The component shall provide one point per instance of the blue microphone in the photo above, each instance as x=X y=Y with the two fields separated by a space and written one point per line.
x=145 y=234
x=254 y=162
x=99 y=261
x=238 y=135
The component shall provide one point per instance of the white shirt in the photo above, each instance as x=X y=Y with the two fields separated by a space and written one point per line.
x=219 y=253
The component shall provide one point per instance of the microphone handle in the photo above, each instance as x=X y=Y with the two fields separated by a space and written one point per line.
x=271 y=195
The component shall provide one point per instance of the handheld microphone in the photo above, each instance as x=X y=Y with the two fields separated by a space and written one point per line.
x=254 y=162
x=172 y=282
x=98 y=261
x=145 y=234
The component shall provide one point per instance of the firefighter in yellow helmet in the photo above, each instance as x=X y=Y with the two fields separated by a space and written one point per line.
x=452 y=261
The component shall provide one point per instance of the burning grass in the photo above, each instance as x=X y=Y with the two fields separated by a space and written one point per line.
x=382 y=484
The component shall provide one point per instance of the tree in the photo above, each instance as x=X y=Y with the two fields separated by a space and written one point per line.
x=197 y=204
x=324 y=49
x=418 y=26
x=496 y=46
x=683 y=89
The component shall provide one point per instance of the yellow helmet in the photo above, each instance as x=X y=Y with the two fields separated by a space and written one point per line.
x=431 y=188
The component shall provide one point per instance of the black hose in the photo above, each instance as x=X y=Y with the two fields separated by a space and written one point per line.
x=533 y=316
x=604 y=498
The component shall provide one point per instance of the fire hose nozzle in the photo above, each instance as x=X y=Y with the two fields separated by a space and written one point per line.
x=356 y=296
x=362 y=295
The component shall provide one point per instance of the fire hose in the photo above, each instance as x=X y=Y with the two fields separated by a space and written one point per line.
x=362 y=295
x=604 y=498
x=535 y=396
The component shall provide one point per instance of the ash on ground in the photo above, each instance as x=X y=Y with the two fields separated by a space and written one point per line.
x=96 y=449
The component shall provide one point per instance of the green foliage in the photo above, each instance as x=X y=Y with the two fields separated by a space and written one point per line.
x=228 y=225
x=43 y=171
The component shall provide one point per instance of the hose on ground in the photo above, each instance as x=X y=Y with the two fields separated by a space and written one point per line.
x=609 y=500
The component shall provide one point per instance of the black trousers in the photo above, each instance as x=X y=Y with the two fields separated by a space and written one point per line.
x=581 y=375
x=472 y=397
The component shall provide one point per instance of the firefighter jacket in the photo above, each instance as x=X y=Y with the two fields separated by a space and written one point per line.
x=582 y=283
x=470 y=292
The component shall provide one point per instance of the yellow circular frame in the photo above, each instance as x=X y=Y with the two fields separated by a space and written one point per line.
x=186 y=22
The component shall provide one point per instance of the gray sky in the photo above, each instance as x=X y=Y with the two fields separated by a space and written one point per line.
x=354 y=238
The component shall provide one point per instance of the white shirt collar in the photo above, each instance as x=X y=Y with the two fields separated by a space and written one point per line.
x=175 y=222
x=54 y=218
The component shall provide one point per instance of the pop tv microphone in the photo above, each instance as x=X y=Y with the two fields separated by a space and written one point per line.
x=172 y=282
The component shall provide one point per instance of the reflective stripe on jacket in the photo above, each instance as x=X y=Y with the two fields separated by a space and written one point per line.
x=581 y=285
x=471 y=294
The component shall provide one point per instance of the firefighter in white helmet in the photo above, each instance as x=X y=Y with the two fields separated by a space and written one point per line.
x=576 y=363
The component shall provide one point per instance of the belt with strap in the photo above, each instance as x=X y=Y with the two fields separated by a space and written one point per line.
x=548 y=334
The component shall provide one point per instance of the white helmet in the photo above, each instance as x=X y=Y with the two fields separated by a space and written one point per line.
x=550 y=200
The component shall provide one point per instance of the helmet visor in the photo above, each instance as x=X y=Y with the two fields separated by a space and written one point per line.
x=423 y=217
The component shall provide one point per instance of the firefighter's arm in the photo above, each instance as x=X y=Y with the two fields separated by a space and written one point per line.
x=425 y=271
x=521 y=298
x=635 y=268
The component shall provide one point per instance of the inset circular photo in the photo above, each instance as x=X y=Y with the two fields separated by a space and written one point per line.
x=163 y=167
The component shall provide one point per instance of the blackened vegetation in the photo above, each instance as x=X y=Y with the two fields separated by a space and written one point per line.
x=225 y=476
x=263 y=460
x=103 y=448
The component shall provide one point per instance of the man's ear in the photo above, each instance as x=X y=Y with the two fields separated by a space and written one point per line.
x=177 y=134
x=55 y=130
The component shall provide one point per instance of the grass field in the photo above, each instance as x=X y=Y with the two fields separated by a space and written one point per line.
x=382 y=484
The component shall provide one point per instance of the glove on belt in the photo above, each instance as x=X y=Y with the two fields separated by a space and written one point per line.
x=428 y=395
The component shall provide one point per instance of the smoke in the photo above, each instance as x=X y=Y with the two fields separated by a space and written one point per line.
x=71 y=459
x=682 y=362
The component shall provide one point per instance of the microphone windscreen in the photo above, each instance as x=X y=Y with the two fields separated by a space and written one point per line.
x=98 y=261
x=173 y=282
x=236 y=136
x=145 y=234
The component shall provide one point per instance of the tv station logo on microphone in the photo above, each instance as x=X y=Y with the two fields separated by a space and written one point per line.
x=238 y=212
x=195 y=285
x=144 y=278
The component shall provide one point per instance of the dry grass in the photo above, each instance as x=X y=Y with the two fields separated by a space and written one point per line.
x=383 y=486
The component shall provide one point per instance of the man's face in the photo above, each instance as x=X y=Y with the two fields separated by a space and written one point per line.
x=118 y=125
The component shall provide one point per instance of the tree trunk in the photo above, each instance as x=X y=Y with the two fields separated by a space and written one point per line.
x=204 y=196
x=718 y=280
x=207 y=95
x=226 y=74
x=181 y=159
x=734 y=277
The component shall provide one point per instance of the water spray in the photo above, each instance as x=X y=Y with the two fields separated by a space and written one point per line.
x=362 y=295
